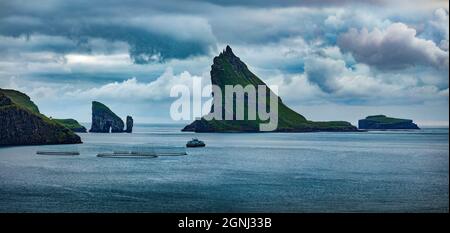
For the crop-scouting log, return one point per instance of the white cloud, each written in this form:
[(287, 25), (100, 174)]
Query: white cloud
[(296, 88), (395, 47), (361, 85), (440, 23), (132, 89), (97, 60)]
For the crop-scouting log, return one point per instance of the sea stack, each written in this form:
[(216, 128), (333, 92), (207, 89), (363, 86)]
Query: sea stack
[(228, 69), (21, 123), (382, 122), (129, 128), (104, 120)]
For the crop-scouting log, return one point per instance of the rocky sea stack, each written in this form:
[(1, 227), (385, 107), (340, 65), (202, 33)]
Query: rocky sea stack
[(382, 122), (129, 122), (104, 120), (21, 123), (228, 69)]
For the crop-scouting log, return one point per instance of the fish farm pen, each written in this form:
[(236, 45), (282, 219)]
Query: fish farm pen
[(149, 151), (113, 150), (68, 153)]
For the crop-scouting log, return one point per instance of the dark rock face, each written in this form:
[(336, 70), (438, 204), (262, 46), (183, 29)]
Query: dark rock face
[(21, 126), (382, 122), (228, 69), (4, 101), (104, 120), (129, 128)]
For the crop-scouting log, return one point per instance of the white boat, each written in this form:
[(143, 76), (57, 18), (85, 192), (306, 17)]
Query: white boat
[(195, 143)]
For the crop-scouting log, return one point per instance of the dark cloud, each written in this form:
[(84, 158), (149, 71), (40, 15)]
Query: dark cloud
[(153, 28), (289, 3), (324, 73), (161, 30), (150, 38)]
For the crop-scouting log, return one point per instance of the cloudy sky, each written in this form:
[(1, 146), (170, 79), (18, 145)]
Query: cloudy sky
[(332, 60)]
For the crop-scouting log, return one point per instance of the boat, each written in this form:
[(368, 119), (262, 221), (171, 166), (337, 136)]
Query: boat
[(195, 143)]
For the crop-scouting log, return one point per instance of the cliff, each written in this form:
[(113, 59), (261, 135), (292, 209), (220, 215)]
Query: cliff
[(21, 123), (20, 99), (104, 120), (228, 69), (71, 124), (383, 122)]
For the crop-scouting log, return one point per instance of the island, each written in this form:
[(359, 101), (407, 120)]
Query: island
[(104, 120), (228, 69), (71, 124), (21, 123), (382, 122)]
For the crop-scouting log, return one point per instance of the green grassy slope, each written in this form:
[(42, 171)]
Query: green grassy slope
[(22, 124), (103, 108), (227, 69), (71, 124), (386, 120), (20, 99)]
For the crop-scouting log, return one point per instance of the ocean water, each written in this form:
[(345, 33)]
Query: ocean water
[(398, 171)]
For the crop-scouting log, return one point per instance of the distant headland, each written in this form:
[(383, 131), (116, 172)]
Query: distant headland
[(21, 123)]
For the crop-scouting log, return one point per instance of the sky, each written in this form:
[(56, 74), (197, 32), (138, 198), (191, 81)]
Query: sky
[(331, 60)]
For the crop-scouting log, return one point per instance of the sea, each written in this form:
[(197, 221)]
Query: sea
[(376, 171)]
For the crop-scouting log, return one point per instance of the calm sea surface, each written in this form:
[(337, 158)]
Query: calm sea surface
[(402, 171)]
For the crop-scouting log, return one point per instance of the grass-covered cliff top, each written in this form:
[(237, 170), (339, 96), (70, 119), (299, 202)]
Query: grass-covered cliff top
[(385, 119), (97, 106), (69, 123), (23, 101), (25, 126), (20, 99)]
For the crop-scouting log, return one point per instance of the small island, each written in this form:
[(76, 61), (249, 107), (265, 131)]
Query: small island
[(228, 69), (382, 122)]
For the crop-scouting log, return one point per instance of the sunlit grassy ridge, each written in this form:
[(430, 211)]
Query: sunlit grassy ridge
[(71, 124), (385, 119), (20, 99)]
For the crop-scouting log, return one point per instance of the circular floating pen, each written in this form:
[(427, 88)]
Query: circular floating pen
[(66, 153), (126, 155)]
